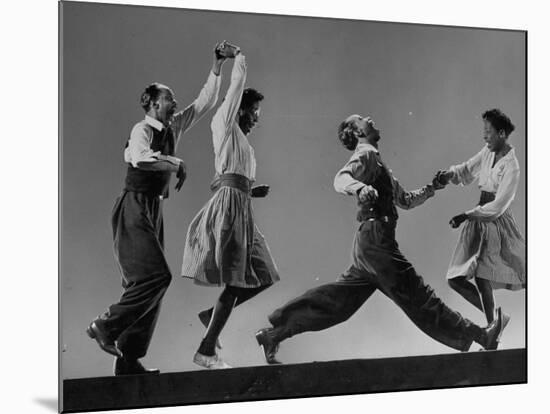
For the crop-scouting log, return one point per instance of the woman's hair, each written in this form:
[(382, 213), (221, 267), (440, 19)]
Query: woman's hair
[(149, 95), (250, 96), (499, 121), (346, 135)]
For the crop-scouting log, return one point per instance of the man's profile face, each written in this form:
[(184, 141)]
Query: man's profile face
[(365, 127), (166, 105)]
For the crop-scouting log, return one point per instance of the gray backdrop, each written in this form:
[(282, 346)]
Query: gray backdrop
[(426, 88)]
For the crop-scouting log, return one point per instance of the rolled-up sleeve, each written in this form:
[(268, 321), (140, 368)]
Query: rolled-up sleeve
[(139, 146)]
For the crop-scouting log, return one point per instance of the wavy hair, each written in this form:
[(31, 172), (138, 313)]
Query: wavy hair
[(347, 136)]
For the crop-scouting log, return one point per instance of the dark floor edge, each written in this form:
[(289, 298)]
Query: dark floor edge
[(330, 378)]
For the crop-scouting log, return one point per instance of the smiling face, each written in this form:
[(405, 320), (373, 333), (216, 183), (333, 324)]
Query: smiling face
[(495, 139), (365, 128), (249, 117)]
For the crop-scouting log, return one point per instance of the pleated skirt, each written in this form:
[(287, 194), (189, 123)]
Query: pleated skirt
[(491, 250), (223, 245)]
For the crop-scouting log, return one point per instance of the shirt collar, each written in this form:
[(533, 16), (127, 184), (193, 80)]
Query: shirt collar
[(154, 123), (365, 147)]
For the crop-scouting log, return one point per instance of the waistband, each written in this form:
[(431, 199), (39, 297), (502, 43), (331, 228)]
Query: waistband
[(383, 219), (146, 193), (486, 197), (231, 180)]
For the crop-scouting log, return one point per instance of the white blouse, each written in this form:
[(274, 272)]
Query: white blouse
[(233, 153), (502, 180)]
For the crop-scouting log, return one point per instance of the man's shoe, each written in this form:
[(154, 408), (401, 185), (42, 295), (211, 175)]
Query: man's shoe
[(210, 362), (268, 345), (204, 317), (105, 343), (493, 332), (131, 367)]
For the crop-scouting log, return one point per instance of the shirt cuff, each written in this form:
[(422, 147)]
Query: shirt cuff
[(473, 212), (355, 188)]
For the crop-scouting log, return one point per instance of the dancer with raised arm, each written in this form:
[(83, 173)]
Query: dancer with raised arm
[(224, 246), (126, 328), (490, 251), (377, 263)]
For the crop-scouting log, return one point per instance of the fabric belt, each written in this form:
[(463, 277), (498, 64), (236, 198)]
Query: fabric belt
[(486, 197), (237, 181)]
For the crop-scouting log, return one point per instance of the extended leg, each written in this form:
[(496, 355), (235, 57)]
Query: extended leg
[(319, 308), (407, 289)]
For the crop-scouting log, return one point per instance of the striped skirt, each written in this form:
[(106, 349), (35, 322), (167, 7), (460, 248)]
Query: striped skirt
[(223, 245), (491, 250)]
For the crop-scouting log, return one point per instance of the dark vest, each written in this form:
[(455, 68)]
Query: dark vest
[(384, 205), (154, 183)]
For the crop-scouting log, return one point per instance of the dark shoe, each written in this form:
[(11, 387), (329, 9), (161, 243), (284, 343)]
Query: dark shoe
[(131, 367), (105, 343), (268, 345), (205, 317), (493, 332)]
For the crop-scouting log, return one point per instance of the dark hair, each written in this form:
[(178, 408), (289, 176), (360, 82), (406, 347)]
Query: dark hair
[(346, 135), (149, 95), (499, 121), (250, 96)]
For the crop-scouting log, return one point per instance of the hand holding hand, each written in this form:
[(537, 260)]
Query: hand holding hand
[(367, 194), (439, 181), (443, 176), (456, 221), (259, 191), (181, 175), (225, 50)]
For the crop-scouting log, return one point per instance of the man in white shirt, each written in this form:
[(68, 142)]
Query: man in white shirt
[(126, 328)]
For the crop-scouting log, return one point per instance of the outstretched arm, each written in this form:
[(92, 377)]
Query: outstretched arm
[(410, 199), (464, 173), (208, 96), (224, 119)]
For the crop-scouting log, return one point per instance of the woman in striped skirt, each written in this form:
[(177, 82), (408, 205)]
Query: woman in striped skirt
[(223, 246), (490, 249)]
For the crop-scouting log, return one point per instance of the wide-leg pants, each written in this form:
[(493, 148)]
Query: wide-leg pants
[(139, 250), (377, 264)]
